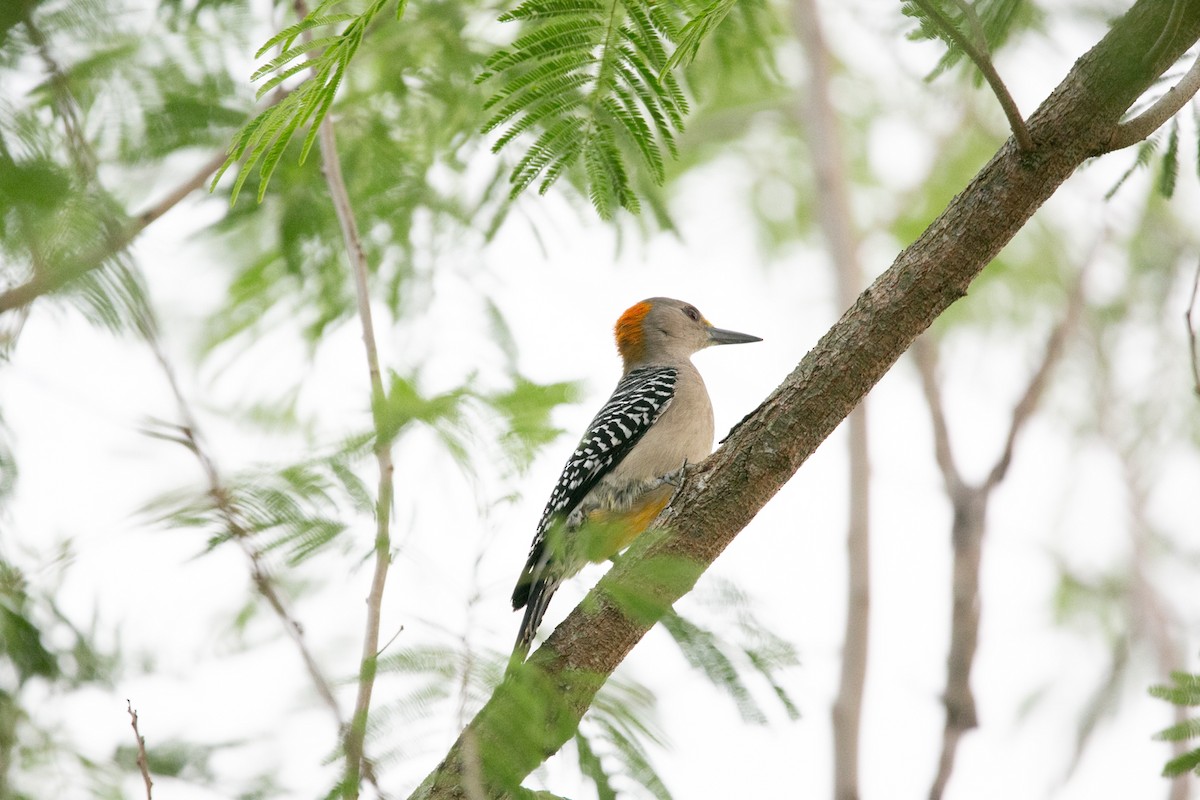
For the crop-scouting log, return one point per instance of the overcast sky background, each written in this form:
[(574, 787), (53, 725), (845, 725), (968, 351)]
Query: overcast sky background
[(77, 399)]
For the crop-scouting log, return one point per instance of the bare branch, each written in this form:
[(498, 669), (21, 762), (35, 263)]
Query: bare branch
[(924, 352), (836, 218), (1037, 384), (1191, 333), (190, 437), (142, 762), (1140, 127), (978, 53)]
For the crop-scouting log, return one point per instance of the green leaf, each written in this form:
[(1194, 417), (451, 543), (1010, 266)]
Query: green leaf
[(21, 643), (1188, 729), (1183, 764)]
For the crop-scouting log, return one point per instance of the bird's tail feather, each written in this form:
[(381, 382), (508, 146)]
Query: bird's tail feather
[(535, 608)]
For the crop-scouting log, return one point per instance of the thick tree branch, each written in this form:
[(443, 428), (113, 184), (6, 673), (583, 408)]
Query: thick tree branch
[(537, 709), (976, 49), (836, 218)]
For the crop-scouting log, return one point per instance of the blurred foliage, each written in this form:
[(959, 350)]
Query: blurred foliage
[(727, 658), (987, 24), (44, 654)]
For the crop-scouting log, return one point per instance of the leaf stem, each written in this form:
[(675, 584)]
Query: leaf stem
[(977, 51)]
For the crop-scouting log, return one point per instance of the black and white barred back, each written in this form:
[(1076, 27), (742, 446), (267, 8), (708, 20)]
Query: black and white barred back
[(638, 401)]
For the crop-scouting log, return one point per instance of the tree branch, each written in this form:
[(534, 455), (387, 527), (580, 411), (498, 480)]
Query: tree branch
[(925, 356), (331, 168), (977, 51), (969, 504), (537, 708), (836, 219), (190, 437), (142, 763), (1037, 384), (1161, 110)]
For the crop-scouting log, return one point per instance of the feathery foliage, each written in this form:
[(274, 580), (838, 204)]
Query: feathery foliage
[(1185, 693), (591, 79), (263, 140), (989, 24)]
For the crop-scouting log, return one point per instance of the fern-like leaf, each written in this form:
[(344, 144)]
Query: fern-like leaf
[(1185, 693), (589, 81), (264, 139)]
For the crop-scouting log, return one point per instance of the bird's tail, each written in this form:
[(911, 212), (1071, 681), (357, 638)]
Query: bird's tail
[(535, 608)]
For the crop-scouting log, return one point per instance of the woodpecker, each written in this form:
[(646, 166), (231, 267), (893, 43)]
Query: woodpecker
[(621, 475)]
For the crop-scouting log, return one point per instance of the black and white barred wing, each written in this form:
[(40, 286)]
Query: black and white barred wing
[(638, 401)]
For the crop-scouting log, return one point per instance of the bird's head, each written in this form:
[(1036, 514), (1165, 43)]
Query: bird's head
[(664, 331)]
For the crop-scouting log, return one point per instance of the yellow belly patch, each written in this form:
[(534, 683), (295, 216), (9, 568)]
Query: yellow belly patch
[(610, 532)]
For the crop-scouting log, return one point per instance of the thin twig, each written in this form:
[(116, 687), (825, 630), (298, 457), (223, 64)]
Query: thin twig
[(190, 437), (1137, 129), (978, 53), (331, 168), (46, 281), (1191, 333), (924, 351), (1025, 407), (142, 762)]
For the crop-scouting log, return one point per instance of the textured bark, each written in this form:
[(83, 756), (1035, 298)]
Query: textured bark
[(535, 711)]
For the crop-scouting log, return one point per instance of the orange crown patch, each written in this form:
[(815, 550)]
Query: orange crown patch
[(630, 341)]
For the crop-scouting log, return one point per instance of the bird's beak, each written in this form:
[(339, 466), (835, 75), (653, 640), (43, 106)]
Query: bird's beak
[(722, 336)]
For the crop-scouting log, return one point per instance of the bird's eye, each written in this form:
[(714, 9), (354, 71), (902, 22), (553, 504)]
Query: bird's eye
[(692, 313)]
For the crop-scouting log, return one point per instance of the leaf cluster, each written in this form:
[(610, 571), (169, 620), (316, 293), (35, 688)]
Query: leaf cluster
[(594, 78), (265, 138), (1183, 693)]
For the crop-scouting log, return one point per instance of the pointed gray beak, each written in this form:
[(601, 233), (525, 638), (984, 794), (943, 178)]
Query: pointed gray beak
[(722, 336)]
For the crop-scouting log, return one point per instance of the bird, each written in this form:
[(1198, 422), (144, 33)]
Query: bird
[(625, 469)]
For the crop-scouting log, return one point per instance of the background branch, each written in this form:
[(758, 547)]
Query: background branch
[(969, 504), (535, 711), (331, 168), (142, 762), (52, 278), (191, 438), (834, 213)]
